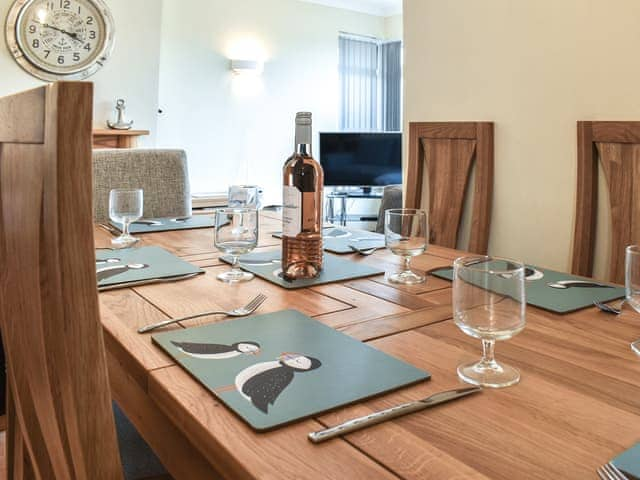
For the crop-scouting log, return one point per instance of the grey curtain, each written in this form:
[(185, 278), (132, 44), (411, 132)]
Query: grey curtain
[(391, 83), (358, 66), (370, 84)]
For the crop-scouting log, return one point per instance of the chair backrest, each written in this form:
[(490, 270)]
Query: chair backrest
[(60, 416), (616, 145), (162, 174), (391, 199), (450, 150)]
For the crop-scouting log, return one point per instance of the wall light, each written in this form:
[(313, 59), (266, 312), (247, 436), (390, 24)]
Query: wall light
[(247, 67)]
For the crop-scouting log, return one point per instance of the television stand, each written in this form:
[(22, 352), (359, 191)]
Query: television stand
[(338, 198)]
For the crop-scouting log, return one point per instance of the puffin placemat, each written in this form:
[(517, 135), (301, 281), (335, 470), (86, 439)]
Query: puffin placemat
[(340, 240), (558, 292), (267, 265), (277, 368), (150, 225), (131, 265)]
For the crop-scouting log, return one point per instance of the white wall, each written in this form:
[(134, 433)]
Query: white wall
[(534, 68), (131, 73), (237, 130)]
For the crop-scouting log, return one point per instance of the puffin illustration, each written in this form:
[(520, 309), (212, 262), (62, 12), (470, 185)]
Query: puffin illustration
[(214, 351), (262, 383), (108, 272)]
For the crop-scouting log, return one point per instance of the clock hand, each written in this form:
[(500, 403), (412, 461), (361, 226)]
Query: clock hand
[(71, 34)]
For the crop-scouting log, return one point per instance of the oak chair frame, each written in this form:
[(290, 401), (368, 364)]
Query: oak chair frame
[(60, 419), (455, 147), (616, 145)]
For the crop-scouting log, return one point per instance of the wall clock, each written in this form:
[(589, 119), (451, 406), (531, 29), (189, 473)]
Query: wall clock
[(60, 39)]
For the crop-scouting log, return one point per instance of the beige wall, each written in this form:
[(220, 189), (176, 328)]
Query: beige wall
[(131, 73), (534, 68), (237, 129)]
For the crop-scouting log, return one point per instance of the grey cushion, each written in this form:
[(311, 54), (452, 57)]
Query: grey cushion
[(162, 174), (391, 198), (138, 460)]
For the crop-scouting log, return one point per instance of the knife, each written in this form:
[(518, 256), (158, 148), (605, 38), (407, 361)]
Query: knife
[(390, 413), (138, 283)]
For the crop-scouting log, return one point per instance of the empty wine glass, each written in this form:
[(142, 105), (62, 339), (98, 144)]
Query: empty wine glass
[(236, 233), (125, 207), (406, 234), (632, 276), (489, 303), (244, 196)]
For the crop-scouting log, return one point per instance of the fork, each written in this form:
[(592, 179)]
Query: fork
[(248, 309), (610, 308), (363, 251), (610, 472)]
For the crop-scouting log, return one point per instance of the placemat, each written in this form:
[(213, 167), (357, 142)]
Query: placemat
[(267, 265), (629, 462), (540, 294), (137, 266), (339, 240), (248, 364), (149, 225)]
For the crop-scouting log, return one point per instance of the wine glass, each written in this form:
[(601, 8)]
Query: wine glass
[(489, 303), (406, 234), (244, 196), (632, 276), (236, 233), (125, 207)]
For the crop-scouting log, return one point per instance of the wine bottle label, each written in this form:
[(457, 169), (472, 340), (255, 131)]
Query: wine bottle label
[(292, 211)]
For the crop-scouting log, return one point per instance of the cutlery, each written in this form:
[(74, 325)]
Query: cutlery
[(148, 222), (390, 413), (248, 309), (610, 472), (635, 346), (138, 283), (363, 251), (109, 228), (610, 308), (564, 284)]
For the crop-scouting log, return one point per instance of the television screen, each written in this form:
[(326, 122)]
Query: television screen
[(361, 159)]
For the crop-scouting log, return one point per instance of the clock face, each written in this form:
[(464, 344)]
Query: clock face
[(61, 39)]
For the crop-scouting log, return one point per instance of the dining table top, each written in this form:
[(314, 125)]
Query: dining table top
[(577, 404)]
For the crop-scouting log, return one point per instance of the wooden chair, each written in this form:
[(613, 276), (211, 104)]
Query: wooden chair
[(616, 145), (450, 150), (60, 421)]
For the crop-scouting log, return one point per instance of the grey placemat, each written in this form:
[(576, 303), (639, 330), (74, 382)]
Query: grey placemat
[(149, 225), (339, 240), (539, 294), (242, 363), (266, 265), (132, 265)]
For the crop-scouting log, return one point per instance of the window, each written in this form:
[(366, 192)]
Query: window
[(370, 84)]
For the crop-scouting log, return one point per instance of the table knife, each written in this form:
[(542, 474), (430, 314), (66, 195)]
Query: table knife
[(139, 283), (390, 413)]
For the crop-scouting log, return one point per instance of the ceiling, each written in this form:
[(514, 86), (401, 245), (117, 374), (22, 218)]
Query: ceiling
[(383, 8)]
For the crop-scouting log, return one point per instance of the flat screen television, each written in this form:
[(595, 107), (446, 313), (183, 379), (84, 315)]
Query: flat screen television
[(369, 159)]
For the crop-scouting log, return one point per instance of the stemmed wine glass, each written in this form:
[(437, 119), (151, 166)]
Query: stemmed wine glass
[(236, 233), (632, 283), (489, 303), (244, 196), (406, 234), (125, 207)]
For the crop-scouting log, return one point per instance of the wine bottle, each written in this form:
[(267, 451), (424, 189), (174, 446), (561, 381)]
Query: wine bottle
[(303, 180)]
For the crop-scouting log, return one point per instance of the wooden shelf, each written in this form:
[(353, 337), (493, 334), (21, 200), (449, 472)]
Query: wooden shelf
[(108, 138)]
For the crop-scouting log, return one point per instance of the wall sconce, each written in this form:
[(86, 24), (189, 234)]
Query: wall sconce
[(246, 67)]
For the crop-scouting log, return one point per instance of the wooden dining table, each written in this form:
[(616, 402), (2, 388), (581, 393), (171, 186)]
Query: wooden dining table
[(576, 407)]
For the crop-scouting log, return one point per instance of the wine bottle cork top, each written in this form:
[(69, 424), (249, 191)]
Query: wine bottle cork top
[(303, 118)]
